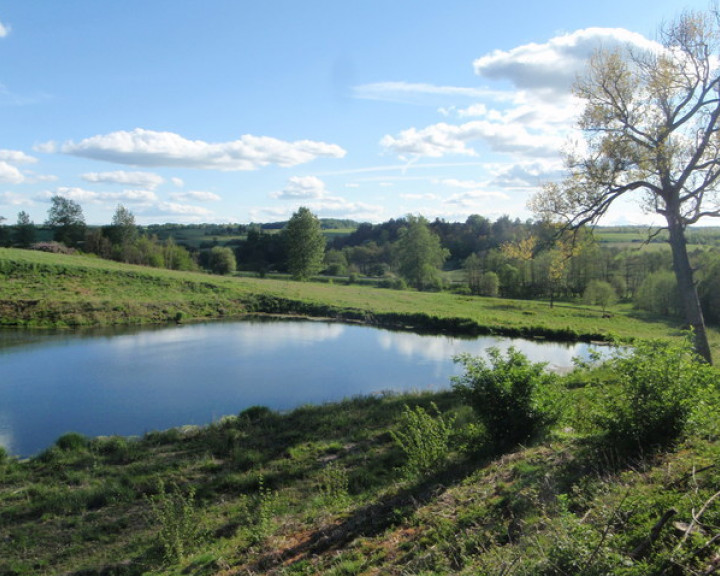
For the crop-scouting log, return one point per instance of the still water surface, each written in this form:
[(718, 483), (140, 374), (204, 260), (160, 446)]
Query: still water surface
[(134, 381)]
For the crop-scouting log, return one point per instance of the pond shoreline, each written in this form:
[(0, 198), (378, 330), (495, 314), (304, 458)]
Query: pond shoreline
[(50, 314)]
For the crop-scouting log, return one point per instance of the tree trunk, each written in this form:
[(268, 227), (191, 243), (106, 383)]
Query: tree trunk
[(686, 285)]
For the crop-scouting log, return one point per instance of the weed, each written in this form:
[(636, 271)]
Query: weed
[(333, 483), (424, 439), (174, 512)]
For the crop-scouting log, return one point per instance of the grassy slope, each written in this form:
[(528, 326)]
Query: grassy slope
[(318, 492), (39, 289)]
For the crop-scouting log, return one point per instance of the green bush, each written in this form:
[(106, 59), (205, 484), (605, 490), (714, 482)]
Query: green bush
[(424, 439), (72, 441), (514, 398), (656, 388)]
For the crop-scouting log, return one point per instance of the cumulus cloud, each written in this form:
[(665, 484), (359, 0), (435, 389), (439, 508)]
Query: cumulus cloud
[(16, 157), (177, 209), (141, 147), (145, 180), (442, 139), (302, 187), (4, 30), (196, 196), (177, 182), (553, 66), (82, 195), (10, 174), (534, 118)]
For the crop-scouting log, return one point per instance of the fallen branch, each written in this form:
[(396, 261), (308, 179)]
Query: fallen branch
[(640, 550)]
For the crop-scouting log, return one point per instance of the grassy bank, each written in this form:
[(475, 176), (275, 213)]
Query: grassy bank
[(50, 290)]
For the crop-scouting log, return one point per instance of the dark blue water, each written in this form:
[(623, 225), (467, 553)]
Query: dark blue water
[(132, 382)]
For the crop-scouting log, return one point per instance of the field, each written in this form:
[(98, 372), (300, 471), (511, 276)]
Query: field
[(48, 290)]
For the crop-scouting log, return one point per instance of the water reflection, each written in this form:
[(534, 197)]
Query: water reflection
[(133, 381)]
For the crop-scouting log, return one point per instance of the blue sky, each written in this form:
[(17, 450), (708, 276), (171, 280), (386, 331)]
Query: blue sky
[(239, 111)]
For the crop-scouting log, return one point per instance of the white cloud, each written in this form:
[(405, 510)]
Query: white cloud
[(10, 174), (413, 91), (554, 65), (479, 109), (475, 198), (302, 187), (16, 157), (141, 147), (314, 195), (74, 193), (82, 195), (130, 196), (442, 139), (14, 199), (177, 182), (146, 180), (177, 209), (4, 30), (195, 195)]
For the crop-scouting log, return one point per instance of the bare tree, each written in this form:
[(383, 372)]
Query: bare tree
[(650, 125)]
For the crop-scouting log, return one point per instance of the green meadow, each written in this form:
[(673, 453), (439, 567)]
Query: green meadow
[(51, 290)]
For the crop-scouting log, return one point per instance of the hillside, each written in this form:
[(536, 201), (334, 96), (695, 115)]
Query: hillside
[(52, 290)]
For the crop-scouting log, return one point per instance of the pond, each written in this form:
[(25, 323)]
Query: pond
[(133, 381)]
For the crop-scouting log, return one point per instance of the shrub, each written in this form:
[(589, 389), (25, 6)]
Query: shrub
[(72, 441), (657, 385), (333, 483), (514, 398), (175, 513), (424, 439)]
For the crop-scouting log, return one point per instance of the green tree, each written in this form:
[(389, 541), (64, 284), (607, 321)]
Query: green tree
[(473, 272), (659, 294), (123, 226), (222, 260), (305, 244), (489, 284), (600, 293), (650, 125), (24, 230), (420, 254), (66, 217)]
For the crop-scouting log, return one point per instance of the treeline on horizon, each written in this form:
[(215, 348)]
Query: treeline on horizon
[(509, 258)]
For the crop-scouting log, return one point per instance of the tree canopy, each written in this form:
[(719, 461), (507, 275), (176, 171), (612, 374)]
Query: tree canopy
[(305, 244), (66, 216), (420, 253), (650, 125)]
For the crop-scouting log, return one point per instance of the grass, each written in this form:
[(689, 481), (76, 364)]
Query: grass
[(49, 290)]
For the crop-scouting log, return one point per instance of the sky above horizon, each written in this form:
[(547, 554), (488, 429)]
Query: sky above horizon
[(229, 111)]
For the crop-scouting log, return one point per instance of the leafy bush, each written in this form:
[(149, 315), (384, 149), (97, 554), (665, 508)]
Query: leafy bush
[(657, 386), (424, 439), (514, 398), (72, 441)]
